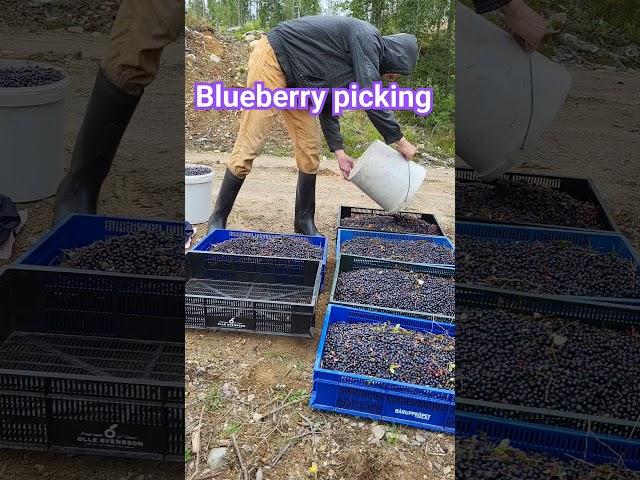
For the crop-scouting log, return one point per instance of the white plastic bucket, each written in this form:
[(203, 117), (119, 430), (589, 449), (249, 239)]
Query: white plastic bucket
[(387, 177), (32, 137), (198, 196), (505, 97)]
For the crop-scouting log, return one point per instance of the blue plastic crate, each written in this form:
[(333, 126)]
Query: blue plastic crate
[(381, 399), (344, 235), (220, 235), (602, 242), (104, 303), (557, 442), (345, 263)]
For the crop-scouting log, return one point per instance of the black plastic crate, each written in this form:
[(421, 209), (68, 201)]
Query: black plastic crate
[(268, 295), (583, 189), (346, 263), (85, 393), (345, 211), (623, 433)]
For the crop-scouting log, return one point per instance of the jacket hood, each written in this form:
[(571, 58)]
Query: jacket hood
[(400, 54)]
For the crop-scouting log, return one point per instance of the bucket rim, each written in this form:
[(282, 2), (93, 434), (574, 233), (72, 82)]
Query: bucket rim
[(31, 96)]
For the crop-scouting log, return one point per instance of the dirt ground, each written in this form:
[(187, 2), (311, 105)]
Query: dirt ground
[(259, 372)]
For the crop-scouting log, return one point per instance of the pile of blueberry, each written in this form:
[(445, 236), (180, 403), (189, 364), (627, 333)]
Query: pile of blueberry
[(389, 351), (414, 251), (28, 76), (398, 289), (508, 201), (399, 223), (273, 247), (547, 362), (143, 252), (195, 170), (477, 458), (550, 267)]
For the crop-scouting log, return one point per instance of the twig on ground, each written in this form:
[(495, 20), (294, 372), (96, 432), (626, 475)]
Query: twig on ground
[(276, 410), (245, 473), (200, 449)]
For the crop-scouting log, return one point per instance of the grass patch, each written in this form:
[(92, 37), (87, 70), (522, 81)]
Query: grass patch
[(231, 429), (188, 455), (214, 400), (359, 132)]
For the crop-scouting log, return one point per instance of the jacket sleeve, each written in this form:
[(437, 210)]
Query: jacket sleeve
[(331, 129), (366, 65), (485, 6)]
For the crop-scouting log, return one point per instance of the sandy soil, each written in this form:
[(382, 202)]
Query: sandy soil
[(265, 369)]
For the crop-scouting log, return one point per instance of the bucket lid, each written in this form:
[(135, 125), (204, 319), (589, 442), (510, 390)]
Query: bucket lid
[(31, 96)]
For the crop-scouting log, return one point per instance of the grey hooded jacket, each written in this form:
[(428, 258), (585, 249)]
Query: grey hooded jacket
[(329, 52)]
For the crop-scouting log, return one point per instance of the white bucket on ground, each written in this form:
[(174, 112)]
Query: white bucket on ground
[(32, 137), (505, 97), (387, 177), (198, 196)]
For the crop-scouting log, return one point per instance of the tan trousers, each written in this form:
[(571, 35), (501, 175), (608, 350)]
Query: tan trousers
[(141, 30), (255, 125)]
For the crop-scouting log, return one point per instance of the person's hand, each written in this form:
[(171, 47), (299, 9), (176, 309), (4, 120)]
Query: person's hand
[(345, 162), (406, 148), (528, 27)]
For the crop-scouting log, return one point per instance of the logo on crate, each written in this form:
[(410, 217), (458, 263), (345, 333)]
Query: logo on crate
[(231, 323), (109, 438), (409, 413)]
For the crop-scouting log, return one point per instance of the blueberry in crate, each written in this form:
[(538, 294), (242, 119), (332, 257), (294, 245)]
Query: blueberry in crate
[(554, 362), (389, 351), (371, 396), (269, 295), (424, 291), (584, 265), (84, 385), (533, 200), (242, 242), (424, 249), (357, 218), (490, 457)]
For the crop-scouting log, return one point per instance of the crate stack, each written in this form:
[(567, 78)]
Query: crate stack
[(254, 291), (91, 361), (566, 431), (384, 397)]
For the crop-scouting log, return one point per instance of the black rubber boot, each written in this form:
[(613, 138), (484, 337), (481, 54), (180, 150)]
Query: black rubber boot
[(105, 121), (306, 205), (226, 197)]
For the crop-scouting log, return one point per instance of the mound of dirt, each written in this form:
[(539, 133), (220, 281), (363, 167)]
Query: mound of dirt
[(211, 56)]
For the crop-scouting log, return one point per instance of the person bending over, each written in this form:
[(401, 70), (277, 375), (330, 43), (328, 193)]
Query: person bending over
[(314, 52)]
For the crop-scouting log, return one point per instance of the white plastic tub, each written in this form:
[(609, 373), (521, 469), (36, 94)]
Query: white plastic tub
[(387, 177), (198, 196), (32, 137), (505, 97)]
